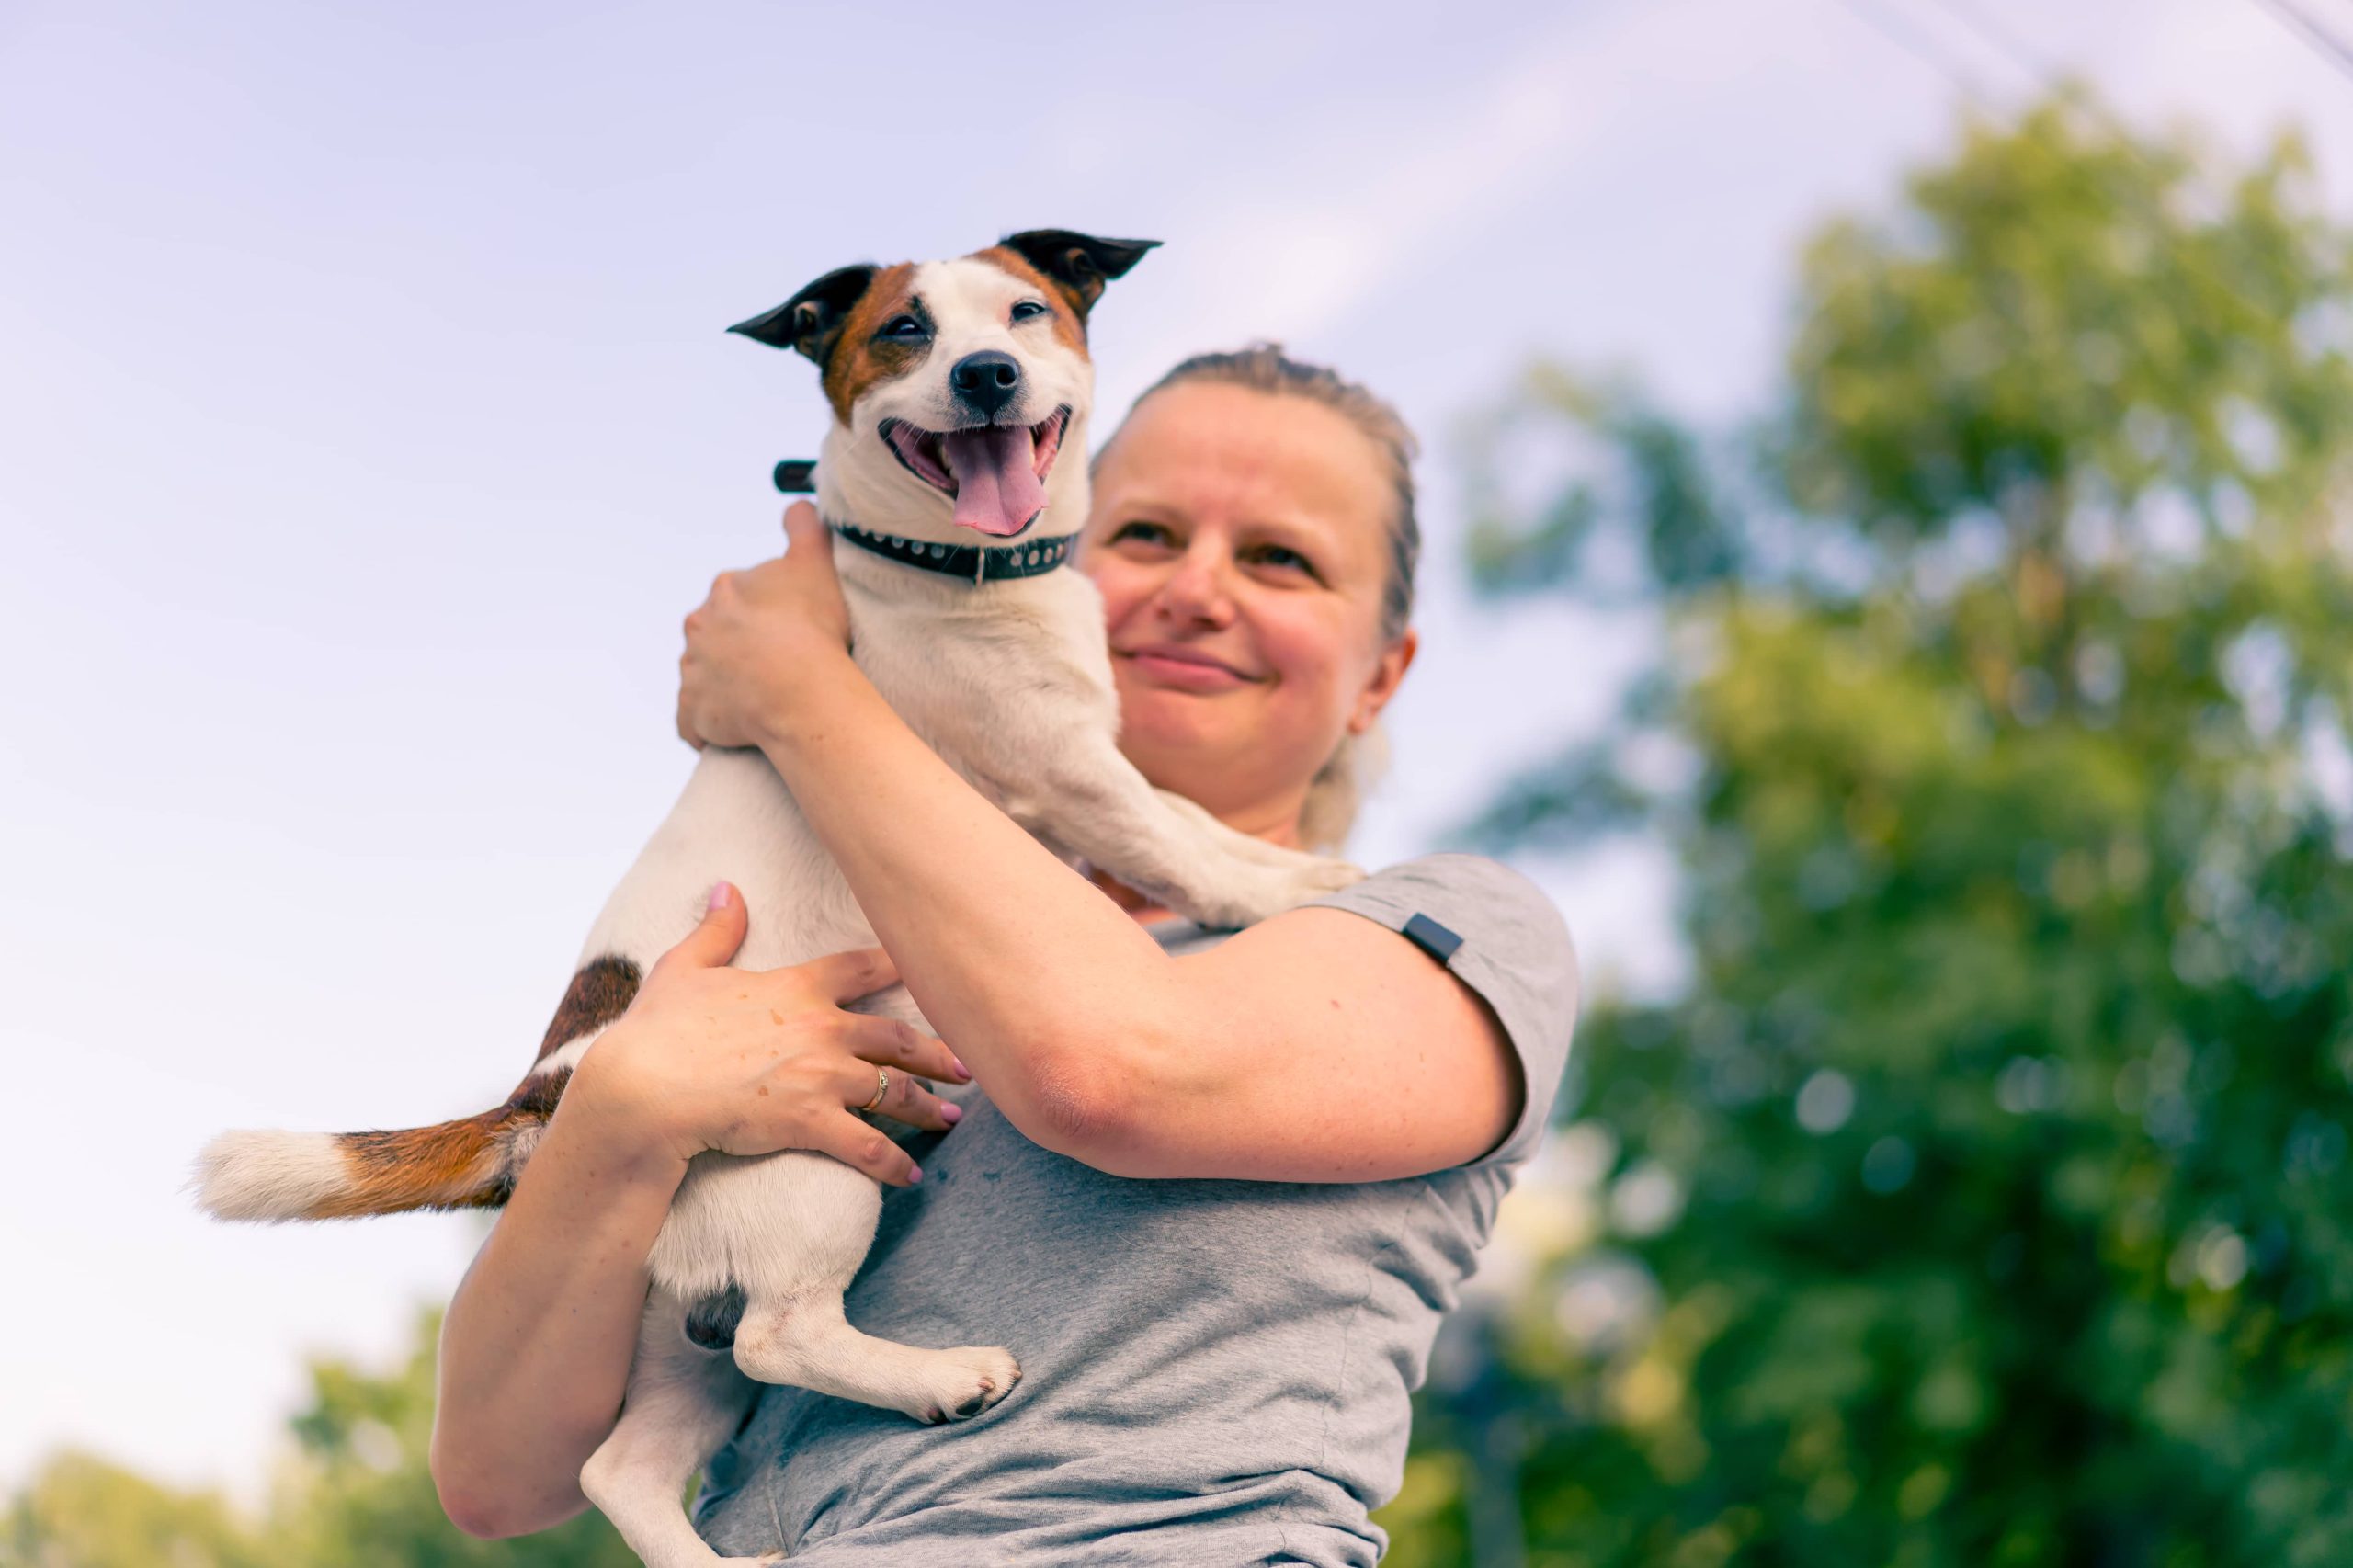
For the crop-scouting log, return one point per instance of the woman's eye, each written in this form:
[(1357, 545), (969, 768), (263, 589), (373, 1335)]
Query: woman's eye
[(1150, 533), (903, 326), (1024, 309), (1283, 556)]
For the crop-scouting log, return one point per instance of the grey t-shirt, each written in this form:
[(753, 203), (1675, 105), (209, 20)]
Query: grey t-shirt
[(1213, 1372)]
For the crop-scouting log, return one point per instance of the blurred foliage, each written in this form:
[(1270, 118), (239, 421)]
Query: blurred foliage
[(1984, 1198), (354, 1493)]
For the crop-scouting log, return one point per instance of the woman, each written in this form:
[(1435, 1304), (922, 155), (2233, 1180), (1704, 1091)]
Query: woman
[(1217, 1360)]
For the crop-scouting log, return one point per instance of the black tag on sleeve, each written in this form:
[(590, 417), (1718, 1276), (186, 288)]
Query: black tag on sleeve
[(1431, 938)]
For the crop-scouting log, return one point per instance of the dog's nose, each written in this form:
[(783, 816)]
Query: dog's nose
[(986, 381)]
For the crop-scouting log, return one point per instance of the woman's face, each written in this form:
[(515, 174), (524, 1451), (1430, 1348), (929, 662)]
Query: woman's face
[(1240, 541)]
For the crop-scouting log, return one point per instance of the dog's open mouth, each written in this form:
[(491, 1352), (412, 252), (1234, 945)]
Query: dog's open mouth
[(997, 472)]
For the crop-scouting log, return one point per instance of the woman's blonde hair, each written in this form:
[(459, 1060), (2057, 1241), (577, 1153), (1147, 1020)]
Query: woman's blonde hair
[(1338, 788)]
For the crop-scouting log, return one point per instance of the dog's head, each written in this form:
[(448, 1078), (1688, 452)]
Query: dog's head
[(955, 385)]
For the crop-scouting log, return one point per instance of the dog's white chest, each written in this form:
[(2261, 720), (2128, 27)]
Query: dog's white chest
[(989, 677)]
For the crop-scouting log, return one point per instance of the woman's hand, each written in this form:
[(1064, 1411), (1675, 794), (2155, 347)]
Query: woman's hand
[(762, 633), (750, 1061)]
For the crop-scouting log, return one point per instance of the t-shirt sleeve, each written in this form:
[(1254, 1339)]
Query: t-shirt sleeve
[(1496, 932)]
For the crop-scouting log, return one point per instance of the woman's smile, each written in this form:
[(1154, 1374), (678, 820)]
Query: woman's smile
[(1186, 667)]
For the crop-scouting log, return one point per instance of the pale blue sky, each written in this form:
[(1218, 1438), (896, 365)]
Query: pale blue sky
[(367, 427)]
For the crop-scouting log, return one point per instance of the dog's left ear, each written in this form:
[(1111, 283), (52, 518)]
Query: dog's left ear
[(812, 321), (1080, 263)]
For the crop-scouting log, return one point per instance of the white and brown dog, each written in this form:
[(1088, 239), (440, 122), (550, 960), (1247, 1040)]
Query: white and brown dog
[(955, 387)]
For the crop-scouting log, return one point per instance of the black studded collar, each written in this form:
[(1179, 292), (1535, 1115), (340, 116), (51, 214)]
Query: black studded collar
[(973, 563)]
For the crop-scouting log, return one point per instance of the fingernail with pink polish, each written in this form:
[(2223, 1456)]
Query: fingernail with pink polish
[(962, 1071), (914, 1173), (718, 892), (950, 1114)]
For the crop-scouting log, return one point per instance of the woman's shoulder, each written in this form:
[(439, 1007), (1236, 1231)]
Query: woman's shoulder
[(1468, 895), (1503, 937)]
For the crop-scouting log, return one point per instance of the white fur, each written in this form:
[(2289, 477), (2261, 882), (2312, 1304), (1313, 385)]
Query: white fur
[(269, 1176), (1011, 684)]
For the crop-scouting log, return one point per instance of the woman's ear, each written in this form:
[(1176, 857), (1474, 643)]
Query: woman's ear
[(1394, 660)]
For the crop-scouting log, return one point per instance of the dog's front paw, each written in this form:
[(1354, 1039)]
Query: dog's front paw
[(1331, 876), (1320, 875), (1271, 890)]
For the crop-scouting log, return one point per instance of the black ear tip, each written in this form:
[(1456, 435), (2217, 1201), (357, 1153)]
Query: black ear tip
[(760, 328), (1041, 239)]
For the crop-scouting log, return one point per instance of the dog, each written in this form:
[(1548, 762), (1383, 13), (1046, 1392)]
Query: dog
[(955, 388)]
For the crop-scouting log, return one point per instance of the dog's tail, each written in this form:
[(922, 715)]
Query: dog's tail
[(467, 1163)]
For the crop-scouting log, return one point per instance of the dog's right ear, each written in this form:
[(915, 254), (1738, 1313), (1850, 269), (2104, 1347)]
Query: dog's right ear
[(812, 321)]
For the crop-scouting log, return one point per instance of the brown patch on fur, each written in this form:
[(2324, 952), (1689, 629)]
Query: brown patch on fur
[(857, 360), (600, 993), (535, 1097), (712, 1322), (471, 1163), (1069, 309)]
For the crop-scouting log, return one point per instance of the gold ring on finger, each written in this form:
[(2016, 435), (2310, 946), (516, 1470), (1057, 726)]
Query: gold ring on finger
[(882, 1087)]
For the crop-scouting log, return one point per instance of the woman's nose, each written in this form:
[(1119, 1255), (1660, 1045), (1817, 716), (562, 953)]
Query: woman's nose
[(1196, 590)]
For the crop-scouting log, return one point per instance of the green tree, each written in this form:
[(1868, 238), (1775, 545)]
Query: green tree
[(82, 1512), (355, 1493), (1984, 1198), (361, 1495)]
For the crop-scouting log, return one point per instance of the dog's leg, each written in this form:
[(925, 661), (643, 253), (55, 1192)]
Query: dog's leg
[(1230, 840), (789, 1231), (805, 1341), (1087, 800), (683, 1403)]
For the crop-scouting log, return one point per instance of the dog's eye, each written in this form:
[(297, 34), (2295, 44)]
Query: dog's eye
[(904, 328), (1024, 309)]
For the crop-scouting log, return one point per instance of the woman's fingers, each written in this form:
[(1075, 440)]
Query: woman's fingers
[(862, 1146), (714, 941), (845, 977), (802, 526), (887, 1042), (685, 719), (905, 1100)]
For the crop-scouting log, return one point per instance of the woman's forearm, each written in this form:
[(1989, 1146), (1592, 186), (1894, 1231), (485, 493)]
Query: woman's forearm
[(1022, 966), (536, 1348)]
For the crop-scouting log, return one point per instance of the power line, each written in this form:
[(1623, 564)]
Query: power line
[(2308, 29), (2048, 78), (2004, 42), (2052, 80), (1893, 25)]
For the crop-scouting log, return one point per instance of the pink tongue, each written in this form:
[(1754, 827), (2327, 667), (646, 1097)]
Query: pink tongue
[(996, 489)]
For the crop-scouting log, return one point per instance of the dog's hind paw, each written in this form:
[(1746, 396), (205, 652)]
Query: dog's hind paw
[(975, 1378)]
